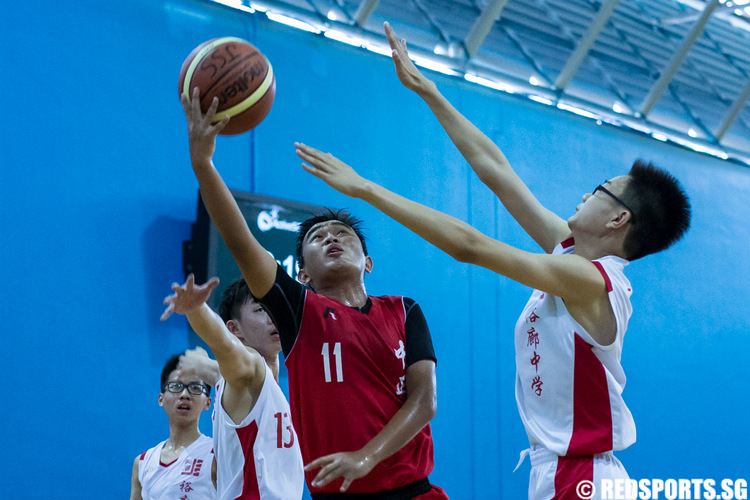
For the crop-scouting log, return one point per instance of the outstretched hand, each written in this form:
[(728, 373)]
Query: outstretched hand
[(201, 131), (330, 169), (350, 466), (188, 297), (407, 72)]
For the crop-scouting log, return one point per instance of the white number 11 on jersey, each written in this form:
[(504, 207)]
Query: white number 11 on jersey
[(327, 362)]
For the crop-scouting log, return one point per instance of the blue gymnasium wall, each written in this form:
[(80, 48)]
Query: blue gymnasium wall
[(98, 194)]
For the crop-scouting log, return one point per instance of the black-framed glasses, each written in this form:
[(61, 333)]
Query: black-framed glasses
[(194, 388), (618, 200)]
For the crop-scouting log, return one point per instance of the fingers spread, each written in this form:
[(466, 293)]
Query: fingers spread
[(195, 105), (326, 474), (318, 462), (345, 484), (167, 312)]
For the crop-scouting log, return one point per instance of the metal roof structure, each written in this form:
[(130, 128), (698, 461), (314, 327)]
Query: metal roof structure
[(677, 70)]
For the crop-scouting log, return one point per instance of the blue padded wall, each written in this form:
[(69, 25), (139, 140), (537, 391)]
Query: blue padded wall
[(98, 194)]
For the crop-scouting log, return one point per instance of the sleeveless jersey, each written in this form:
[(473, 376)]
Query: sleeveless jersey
[(260, 458), (186, 478), (568, 387), (347, 371)]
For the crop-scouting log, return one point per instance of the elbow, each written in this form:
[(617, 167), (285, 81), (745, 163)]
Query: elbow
[(465, 245), (431, 409), (428, 407)]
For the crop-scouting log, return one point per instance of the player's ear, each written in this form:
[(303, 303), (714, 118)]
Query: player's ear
[(368, 264), (620, 219), (161, 399), (303, 277), (208, 403)]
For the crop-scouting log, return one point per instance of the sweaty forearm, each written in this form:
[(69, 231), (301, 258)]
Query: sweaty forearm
[(403, 426)]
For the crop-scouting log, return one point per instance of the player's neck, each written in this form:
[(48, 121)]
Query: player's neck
[(273, 364), (181, 436), (593, 248), (352, 295)]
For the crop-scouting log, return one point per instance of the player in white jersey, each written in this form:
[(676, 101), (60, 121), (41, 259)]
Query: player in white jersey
[(581, 298), (181, 467), (257, 450)]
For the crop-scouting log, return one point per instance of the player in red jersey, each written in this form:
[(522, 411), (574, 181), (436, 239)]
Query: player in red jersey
[(361, 368)]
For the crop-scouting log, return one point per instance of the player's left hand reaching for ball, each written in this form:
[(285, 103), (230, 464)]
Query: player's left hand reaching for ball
[(349, 465), (331, 170)]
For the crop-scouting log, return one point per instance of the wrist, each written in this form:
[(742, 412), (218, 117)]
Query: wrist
[(365, 190), (425, 88)]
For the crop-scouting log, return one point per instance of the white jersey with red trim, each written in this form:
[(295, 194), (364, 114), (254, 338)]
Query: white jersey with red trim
[(568, 387), (187, 477), (259, 458)]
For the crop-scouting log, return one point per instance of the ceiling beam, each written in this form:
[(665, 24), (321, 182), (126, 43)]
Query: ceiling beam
[(364, 11), (483, 25), (733, 112), (585, 44), (666, 76)]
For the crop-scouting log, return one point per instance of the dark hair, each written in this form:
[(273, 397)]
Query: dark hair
[(329, 215), (662, 206), (234, 297), (169, 367)]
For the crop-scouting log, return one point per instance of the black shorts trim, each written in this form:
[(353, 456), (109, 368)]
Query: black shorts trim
[(406, 492)]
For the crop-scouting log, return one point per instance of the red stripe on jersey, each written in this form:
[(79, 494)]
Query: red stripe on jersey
[(167, 465), (143, 455), (570, 472), (600, 267), (592, 415), (568, 243), (247, 436)]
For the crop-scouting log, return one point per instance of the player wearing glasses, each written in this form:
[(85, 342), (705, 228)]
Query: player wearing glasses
[(183, 466), (569, 337), (257, 449)]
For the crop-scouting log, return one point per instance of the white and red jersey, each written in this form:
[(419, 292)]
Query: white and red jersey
[(187, 477), (259, 458), (568, 387)]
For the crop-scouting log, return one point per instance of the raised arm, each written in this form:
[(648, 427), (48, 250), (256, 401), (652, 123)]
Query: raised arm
[(416, 412), (257, 265), (571, 277), (242, 368), (489, 163)]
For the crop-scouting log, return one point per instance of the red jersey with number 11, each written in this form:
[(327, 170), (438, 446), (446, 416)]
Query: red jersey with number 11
[(347, 369)]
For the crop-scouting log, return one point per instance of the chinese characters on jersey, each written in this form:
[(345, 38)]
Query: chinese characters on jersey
[(533, 343)]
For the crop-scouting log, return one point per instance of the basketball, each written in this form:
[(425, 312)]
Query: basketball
[(238, 74)]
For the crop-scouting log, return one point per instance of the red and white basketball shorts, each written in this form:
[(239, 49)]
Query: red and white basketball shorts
[(561, 478)]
